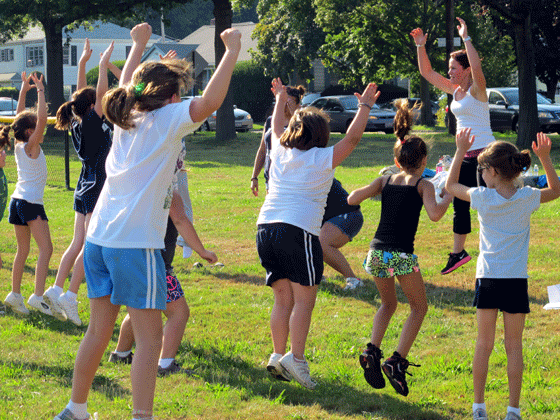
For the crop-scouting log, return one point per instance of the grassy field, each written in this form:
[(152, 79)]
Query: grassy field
[(227, 341)]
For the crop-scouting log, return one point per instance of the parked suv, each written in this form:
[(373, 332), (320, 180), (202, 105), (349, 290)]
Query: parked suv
[(504, 110)]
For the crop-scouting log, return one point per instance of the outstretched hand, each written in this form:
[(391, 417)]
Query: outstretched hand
[(462, 28), (543, 145), (38, 81), (209, 256), (464, 140), (370, 95), (87, 51), (25, 81), (171, 54), (278, 89), (105, 56), (418, 36)]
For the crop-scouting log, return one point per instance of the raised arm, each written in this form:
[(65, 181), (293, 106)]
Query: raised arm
[(115, 70), (425, 66), (84, 58), (281, 95), (478, 89), (216, 90), (186, 229), (371, 190), (33, 145), (434, 209), (344, 147), (464, 141), (542, 149), (25, 86), (103, 80), (140, 35)]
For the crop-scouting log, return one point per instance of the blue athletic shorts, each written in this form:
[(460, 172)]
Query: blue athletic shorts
[(387, 264), (349, 223), (507, 295), (132, 277), (22, 212), (289, 252)]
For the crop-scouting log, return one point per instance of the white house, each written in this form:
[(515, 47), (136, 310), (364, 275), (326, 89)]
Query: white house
[(29, 53)]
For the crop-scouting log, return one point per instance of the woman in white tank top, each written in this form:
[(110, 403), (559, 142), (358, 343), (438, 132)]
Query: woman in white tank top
[(470, 106)]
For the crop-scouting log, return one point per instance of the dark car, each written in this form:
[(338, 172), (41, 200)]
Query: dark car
[(342, 109), (504, 110)]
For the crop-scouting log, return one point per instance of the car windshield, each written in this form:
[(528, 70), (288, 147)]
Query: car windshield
[(513, 97), (8, 105)]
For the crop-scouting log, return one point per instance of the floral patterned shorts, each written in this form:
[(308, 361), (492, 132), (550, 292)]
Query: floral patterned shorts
[(174, 289), (387, 264)]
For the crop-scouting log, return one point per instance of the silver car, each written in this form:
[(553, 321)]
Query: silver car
[(243, 121), (8, 106), (342, 109)]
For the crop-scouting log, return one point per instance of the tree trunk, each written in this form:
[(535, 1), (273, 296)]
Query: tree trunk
[(426, 116), (528, 118), (551, 88), (225, 121), (54, 79)]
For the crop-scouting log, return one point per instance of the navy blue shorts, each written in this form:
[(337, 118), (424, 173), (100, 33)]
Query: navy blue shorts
[(507, 295), (349, 223), (85, 203), (289, 252), (22, 212)]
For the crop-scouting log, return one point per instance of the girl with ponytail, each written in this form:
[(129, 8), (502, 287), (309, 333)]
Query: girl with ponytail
[(391, 252), (504, 213)]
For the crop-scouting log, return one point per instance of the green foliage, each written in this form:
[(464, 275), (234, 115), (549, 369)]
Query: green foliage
[(251, 89), (9, 92), (93, 75)]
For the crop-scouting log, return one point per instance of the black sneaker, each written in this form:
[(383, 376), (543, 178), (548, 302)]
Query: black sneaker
[(115, 358), (395, 369), (455, 261), (172, 369), (370, 360)]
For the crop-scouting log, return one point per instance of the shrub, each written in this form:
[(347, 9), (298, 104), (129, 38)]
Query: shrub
[(251, 90)]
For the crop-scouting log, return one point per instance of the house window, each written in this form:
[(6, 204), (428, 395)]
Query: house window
[(70, 55), (7, 54), (127, 50), (34, 56)]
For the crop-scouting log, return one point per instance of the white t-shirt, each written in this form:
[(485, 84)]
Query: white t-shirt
[(32, 175), (298, 187), (133, 207), (504, 231)]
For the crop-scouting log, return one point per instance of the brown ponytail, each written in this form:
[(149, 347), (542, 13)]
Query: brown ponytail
[(5, 136), (506, 159), (78, 107)]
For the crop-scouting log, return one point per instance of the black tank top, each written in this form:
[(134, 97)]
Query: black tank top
[(400, 212)]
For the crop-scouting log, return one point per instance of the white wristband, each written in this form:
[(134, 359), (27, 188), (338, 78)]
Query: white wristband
[(467, 39), (420, 45)]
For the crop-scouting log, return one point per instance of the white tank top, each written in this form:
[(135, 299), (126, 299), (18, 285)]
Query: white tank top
[(32, 175), (474, 114)]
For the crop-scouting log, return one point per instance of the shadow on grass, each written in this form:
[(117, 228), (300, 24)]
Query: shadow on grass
[(221, 371), (63, 375)]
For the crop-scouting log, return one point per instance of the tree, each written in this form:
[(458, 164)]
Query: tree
[(53, 16), (518, 15), (546, 38)]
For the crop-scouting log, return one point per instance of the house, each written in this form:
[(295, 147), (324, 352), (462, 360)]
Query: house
[(29, 53)]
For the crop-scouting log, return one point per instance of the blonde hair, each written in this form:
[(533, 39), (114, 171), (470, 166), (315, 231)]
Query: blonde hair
[(76, 108), (308, 128), (505, 158), (153, 83), (408, 150)]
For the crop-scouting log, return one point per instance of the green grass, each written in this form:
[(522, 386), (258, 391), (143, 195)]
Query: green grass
[(227, 341)]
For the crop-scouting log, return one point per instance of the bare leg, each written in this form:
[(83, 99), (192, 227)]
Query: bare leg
[(177, 314), (100, 329), (126, 335), (71, 253), (78, 273), (23, 237), (332, 238), (459, 241), (300, 320), (486, 320), (513, 332), (386, 288), (148, 331), (41, 233), (413, 287), (280, 315)]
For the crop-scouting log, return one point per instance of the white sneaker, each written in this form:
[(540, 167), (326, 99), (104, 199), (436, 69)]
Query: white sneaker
[(298, 370), (70, 307), (480, 414), (352, 283), (16, 302), (38, 303), (275, 369), (66, 414), (51, 297)]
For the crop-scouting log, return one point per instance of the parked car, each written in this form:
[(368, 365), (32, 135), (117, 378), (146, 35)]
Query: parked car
[(8, 106), (415, 111), (243, 121), (342, 109), (504, 110), (308, 98)]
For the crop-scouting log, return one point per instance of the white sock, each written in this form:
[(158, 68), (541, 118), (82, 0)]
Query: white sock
[(514, 410), (123, 353), (70, 295), (78, 410), (59, 290), (299, 361), (476, 406), (165, 363)]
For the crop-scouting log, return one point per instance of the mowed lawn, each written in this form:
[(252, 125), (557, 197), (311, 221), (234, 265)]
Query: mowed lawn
[(227, 340)]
